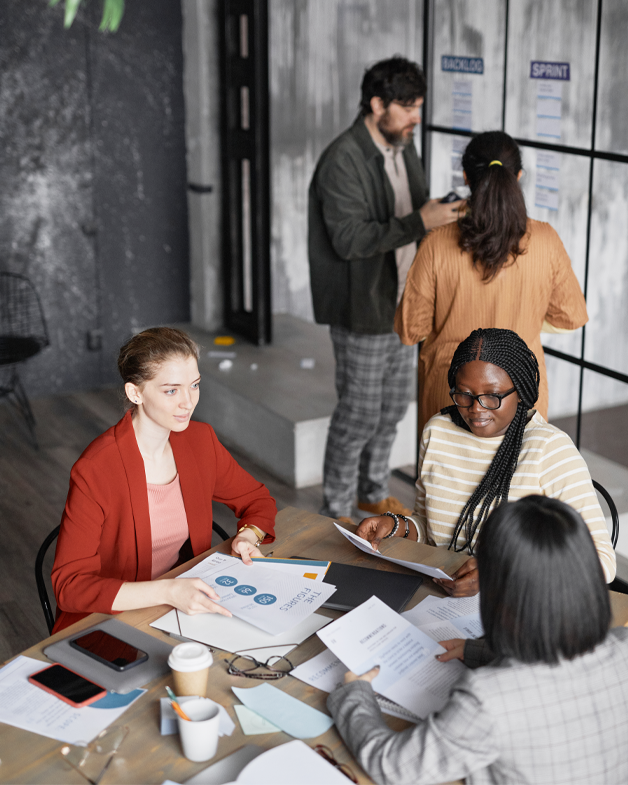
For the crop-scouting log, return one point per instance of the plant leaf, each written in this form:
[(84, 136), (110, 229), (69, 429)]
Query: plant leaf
[(71, 8), (111, 15), (53, 3)]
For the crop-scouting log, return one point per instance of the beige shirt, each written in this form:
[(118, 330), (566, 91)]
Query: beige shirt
[(395, 168), (452, 463)]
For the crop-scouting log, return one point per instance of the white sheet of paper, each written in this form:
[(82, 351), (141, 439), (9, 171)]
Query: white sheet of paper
[(271, 600), (299, 568), (373, 634), (28, 707), (366, 547), (236, 635), (434, 608), (252, 723), (326, 672), (290, 763)]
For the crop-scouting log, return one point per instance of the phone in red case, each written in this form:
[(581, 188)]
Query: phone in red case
[(67, 685)]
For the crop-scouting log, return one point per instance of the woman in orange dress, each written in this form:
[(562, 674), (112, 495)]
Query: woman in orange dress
[(495, 267)]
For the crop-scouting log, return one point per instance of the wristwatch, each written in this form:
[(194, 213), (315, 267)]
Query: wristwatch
[(256, 531)]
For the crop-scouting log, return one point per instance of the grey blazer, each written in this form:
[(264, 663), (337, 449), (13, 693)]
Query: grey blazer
[(505, 723)]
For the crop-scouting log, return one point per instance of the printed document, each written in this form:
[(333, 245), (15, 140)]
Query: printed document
[(443, 618), (366, 547), (301, 568), (26, 706), (271, 600), (410, 675)]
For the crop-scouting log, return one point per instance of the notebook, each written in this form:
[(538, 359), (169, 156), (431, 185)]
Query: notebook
[(354, 585)]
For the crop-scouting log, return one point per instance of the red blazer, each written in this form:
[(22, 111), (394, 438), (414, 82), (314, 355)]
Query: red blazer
[(105, 537)]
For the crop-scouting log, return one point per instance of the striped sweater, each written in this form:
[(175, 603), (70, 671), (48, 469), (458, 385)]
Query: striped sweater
[(453, 461)]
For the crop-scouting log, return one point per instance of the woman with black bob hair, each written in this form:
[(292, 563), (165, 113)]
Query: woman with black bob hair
[(488, 447), (552, 705), (495, 267)]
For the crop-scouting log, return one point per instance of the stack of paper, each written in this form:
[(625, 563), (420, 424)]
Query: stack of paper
[(232, 634)]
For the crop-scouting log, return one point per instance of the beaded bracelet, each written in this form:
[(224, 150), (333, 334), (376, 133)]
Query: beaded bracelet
[(407, 523), (394, 528)]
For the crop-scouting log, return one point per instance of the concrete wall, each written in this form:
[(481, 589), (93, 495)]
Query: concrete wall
[(319, 50), (202, 128), (92, 179)]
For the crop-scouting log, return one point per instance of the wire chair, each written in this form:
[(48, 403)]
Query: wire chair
[(23, 334)]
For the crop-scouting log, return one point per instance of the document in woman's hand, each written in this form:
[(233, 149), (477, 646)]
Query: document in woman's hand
[(271, 600), (410, 674)]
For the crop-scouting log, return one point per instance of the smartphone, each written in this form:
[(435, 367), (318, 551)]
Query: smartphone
[(67, 685), (110, 651), (452, 196)]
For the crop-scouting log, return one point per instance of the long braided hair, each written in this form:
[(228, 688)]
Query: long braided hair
[(509, 352)]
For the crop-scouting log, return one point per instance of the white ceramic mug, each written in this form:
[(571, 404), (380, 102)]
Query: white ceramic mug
[(199, 734)]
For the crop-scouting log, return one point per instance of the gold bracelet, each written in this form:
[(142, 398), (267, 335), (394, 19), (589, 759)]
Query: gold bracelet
[(256, 531)]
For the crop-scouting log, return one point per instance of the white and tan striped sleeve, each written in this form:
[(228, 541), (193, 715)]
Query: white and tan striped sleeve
[(564, 475), (419, 514)]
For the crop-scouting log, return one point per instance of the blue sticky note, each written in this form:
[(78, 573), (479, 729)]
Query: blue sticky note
[(288, 713), (114, 700)]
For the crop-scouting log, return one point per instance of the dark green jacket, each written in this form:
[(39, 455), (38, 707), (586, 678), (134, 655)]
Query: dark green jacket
[(353, 232)]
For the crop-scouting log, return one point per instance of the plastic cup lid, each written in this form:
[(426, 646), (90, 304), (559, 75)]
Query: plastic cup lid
[(188, 657)]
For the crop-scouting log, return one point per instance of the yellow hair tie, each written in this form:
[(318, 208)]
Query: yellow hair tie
[(499, 163)]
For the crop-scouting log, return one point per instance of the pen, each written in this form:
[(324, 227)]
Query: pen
[(175, 705)]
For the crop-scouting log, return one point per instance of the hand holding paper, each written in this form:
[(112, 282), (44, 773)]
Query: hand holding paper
[(366, 547), (373, 634)]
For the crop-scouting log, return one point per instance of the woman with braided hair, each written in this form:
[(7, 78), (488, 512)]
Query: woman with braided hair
[(488, 447), (495, 267)]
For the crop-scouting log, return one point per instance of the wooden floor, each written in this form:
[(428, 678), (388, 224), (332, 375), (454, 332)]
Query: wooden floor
[(34, 484)]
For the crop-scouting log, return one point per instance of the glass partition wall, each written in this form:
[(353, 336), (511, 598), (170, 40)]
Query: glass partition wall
[(555, 77)]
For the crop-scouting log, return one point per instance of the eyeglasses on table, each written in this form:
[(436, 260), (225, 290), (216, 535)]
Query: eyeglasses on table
[(275, 667), (328, 755)]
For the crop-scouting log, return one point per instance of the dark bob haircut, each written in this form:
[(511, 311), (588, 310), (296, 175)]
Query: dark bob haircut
[(542, 589), (396, 79)]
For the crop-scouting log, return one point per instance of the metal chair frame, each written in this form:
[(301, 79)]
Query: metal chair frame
[(613, 510), (21, 317), (39, 571)]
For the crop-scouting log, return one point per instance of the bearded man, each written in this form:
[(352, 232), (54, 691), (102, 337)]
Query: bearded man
[(368, 210)]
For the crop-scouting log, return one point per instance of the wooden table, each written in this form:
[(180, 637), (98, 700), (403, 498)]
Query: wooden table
[(146, 756)]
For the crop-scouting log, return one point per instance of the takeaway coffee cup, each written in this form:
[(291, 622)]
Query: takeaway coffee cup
[(190, 663), (199, 734)]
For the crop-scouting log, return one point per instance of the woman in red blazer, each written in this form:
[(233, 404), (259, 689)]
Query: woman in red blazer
[(107, 551)]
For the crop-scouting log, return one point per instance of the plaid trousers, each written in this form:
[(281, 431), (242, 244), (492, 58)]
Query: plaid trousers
[(374, 382)]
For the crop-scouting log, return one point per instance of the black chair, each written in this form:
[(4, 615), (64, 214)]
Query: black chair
[(23, 334), (39, 571), (613, 510)]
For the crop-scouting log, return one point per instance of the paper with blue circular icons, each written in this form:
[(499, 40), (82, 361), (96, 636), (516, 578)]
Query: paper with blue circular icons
[(247, 591), (273, 600)]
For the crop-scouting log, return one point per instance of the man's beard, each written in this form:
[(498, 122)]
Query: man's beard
[(394, 138)]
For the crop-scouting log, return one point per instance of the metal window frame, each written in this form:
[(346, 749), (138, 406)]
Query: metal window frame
[(253, 144), (591, 153)]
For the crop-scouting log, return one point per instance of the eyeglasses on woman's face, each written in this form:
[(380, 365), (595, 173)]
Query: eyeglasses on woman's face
[(486, 400)]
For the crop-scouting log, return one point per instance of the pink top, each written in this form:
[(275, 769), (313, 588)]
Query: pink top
[(168, 524)]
